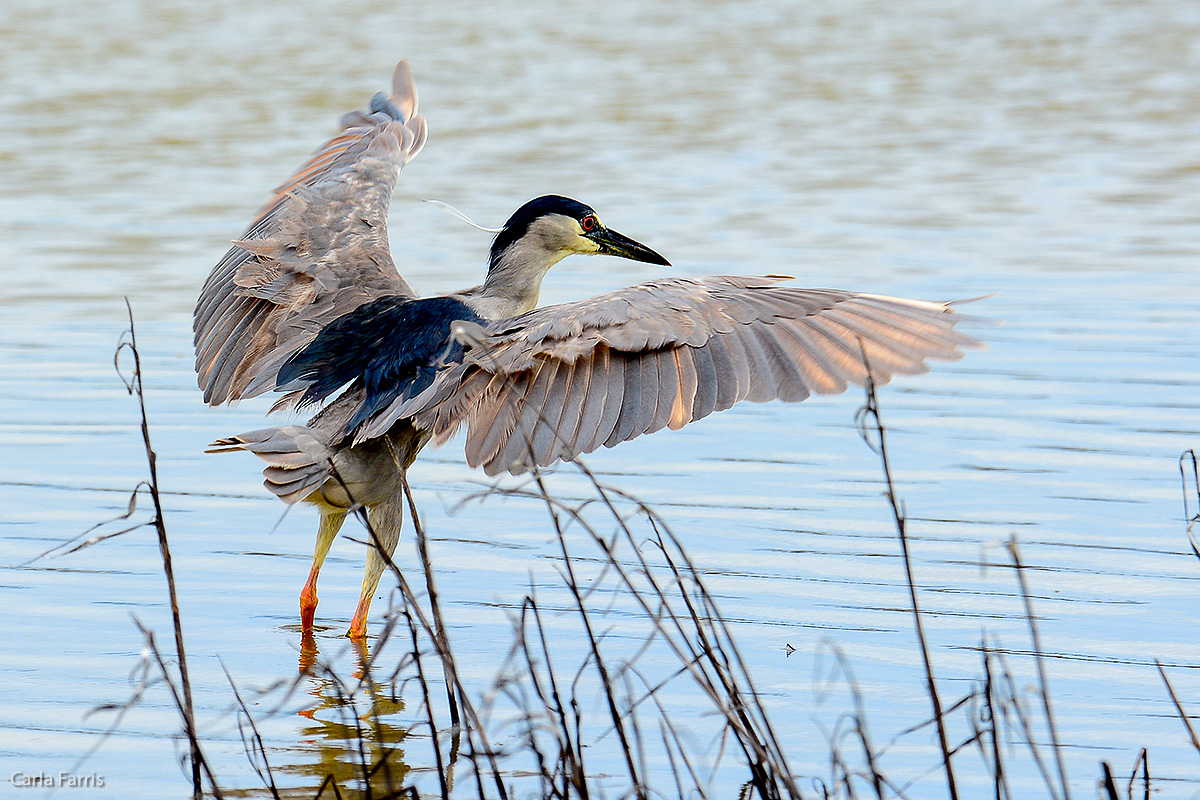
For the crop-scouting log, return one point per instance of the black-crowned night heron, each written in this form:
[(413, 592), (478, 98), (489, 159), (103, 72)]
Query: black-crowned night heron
[(309, 303)]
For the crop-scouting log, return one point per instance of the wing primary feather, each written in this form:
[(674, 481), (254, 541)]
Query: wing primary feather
[(483, 418), (228, 358), (647, 391), (668, 390), (509, 400), (518, 454), (583, 439), (926, 330), (845, 353), (821, 376), (613, 374), (630, 399), (547, 441), (573, 406), (685, 395), (706, 381), (726, 370), (885, 357), (762, 380), (789, 378), (739, 360), (918, 318), (218, 339), (905, 345)]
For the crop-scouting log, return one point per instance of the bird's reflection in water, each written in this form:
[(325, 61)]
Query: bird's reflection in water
[(351, 734)]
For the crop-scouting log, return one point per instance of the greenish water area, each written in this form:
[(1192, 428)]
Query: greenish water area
[(1043, 153)]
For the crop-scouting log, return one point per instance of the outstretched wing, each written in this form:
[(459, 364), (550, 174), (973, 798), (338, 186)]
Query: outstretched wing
[(317, 250), (564, 380)]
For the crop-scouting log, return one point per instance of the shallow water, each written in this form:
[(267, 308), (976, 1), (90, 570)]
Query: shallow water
[(1043, 151)]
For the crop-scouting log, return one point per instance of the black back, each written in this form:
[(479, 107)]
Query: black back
[(392, 346)]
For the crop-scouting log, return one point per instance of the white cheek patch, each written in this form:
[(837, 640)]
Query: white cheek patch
[(586, 245)]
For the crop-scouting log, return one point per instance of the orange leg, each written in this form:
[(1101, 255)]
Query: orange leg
[(374, 570), (308, 599), (331, 523), (386, 519), (358, 623)]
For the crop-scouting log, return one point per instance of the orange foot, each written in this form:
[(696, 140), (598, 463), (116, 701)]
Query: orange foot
[(308, 607), (358, 624)]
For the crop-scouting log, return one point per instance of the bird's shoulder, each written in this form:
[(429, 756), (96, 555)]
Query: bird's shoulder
[(390, 348)]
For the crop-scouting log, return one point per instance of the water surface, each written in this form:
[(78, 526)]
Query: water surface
[(1041, 151)]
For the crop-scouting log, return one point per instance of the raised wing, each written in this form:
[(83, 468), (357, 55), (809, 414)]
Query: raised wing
[(564, 380), (317, 250)]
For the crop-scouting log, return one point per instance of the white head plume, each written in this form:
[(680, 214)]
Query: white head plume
[(454, 212)]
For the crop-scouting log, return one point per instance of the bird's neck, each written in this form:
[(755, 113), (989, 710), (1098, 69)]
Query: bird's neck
[(514, 281)]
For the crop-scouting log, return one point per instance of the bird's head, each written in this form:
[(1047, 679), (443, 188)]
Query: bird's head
[(546, 230)]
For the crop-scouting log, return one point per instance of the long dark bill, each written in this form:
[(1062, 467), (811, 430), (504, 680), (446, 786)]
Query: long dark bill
[(618, 244)]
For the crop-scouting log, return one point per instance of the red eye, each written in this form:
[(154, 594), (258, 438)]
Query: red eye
[(588, 223)]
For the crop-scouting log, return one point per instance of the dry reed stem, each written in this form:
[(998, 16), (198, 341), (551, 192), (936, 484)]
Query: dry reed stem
[(1187, 723), (134, 385), (870, 412), (1040, 662)]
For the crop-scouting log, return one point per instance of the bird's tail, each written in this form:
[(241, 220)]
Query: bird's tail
[(299, 458)]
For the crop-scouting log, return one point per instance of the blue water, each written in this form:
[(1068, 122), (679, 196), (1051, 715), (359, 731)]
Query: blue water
[(1043, 152)]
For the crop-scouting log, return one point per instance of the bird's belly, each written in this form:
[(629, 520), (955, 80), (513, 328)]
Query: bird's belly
[(371, 473)]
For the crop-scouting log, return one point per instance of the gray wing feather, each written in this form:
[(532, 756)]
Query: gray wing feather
[(821, 375), (632, 397), (733, 377), (670, 390), (548, 419), (654, 385), (614, 400), (497, 419), (530, 416), (707, 381), (577, 376), (317, 250), (572, 409), (789, 382), (683, 409), (762, 378)]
